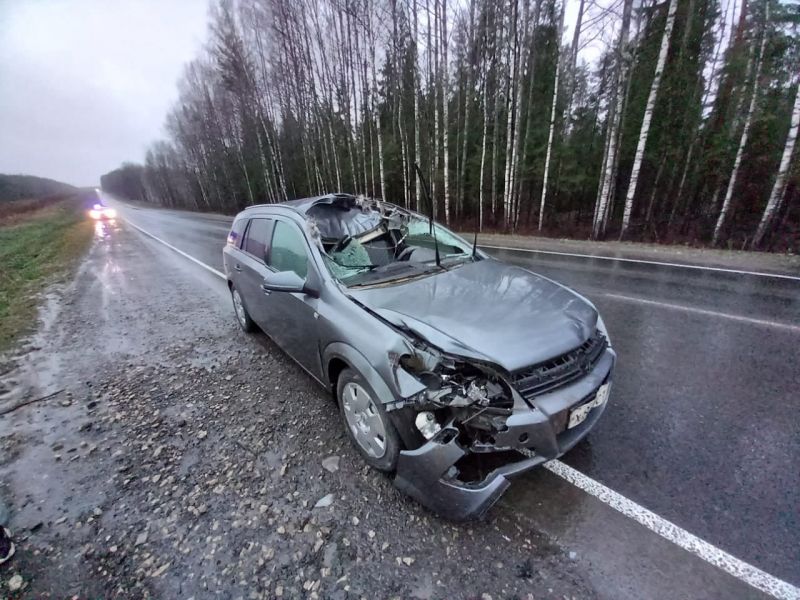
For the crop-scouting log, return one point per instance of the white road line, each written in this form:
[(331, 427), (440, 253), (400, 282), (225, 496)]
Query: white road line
[(181, 252), (703, 311), (739, 569), (711, 554), (647, 262)]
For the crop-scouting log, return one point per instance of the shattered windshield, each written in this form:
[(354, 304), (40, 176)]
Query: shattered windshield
[(377, 242)]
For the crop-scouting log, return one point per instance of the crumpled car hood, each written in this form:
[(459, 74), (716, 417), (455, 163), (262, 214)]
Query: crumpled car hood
[(487, 310)]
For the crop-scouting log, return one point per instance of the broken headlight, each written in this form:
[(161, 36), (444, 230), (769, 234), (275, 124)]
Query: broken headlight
[(601, 327), (455, 383)]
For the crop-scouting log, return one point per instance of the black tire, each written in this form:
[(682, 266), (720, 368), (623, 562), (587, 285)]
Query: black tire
[(243, 319), (388, 461)]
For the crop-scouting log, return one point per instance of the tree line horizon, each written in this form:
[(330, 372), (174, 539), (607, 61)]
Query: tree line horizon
[(670, 121)]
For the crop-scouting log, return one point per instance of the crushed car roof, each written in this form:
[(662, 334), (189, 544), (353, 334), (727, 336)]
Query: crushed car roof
[(303, 205), (336, 215)]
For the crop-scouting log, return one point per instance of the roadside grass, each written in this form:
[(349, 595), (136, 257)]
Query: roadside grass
[(36, 247)]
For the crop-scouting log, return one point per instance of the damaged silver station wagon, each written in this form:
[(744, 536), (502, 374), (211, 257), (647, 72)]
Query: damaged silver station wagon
[(453, 371)]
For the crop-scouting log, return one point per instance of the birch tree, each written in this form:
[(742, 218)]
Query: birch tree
[(293, 98), (648, 116), (726, 203), (609, 163), (776, 195), (445, 119), (552, 117)]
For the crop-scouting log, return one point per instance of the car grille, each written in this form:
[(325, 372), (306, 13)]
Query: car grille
[(560, 371)]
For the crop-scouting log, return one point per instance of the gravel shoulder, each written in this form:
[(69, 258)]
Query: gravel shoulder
[(181, 458), (784, 264)]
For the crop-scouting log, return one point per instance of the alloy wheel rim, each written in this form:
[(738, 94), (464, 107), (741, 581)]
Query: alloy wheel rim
[(363, 419), (239, 307)]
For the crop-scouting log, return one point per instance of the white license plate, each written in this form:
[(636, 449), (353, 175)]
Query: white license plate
[(578, 416)]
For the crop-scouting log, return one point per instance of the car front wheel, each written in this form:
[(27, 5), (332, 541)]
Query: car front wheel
[(242, 316), (367, 424)]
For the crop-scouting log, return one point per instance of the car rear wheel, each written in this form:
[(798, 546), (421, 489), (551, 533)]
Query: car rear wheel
[(367, 424), (242, 316)]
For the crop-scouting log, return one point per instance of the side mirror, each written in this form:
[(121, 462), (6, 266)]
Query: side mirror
[(287, 281)]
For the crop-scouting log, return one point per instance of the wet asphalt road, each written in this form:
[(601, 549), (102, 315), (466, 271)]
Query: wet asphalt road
[(703, 424)]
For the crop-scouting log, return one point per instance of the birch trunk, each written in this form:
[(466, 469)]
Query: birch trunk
[(552, 117), (376, 113), (613, 130), (495, 143), (696, 135), (417, 150), (398, 107), (434, 78), (467, 106), (531, 82), (445, 118), (483, 156), (496, 45), (522, 63), (726, 203), (573, 63), (776, 196), (648, 116), (511, 94), (484, 64)]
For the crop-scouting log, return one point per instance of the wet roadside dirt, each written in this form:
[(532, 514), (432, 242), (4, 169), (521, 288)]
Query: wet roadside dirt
[(184, 459)]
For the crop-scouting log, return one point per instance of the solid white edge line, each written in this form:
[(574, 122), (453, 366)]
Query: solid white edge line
[(703, 311), (647, 262), (219, 274), (739, 569)]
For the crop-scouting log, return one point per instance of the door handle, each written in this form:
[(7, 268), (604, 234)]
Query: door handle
[(237, 268), (266, 291)]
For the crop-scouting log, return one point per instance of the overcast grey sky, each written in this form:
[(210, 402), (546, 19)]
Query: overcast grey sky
[(86, 84)]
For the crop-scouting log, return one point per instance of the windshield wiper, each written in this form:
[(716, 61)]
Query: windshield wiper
[(396, 270)]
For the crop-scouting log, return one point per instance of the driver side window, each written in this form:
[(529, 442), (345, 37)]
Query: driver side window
[(288, 251)]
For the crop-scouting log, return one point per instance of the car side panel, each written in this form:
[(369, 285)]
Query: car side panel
[(251, 276), (292, 322)]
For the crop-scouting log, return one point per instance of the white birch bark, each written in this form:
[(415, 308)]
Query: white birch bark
[(573, 63), (495, 144), (552, 117), (726, 203), (525, 133), (776, 196), (417, 150), (484, 64), (376, 112), (434, 79), (648, 116), (483, 155), (608, 176), (511, 95), (696, 133), (445, 118), (467, 104)]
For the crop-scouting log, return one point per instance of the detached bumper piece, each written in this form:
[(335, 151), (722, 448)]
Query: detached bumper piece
[(427, 474)]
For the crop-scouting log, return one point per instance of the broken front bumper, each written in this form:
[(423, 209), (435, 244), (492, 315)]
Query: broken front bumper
[(430, 475)]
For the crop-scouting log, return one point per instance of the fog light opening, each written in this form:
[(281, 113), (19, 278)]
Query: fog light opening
[(427, 425)]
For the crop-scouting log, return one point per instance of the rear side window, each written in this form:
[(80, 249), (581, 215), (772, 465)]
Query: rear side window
[(255, 240), (237, 233), (288, 251)]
